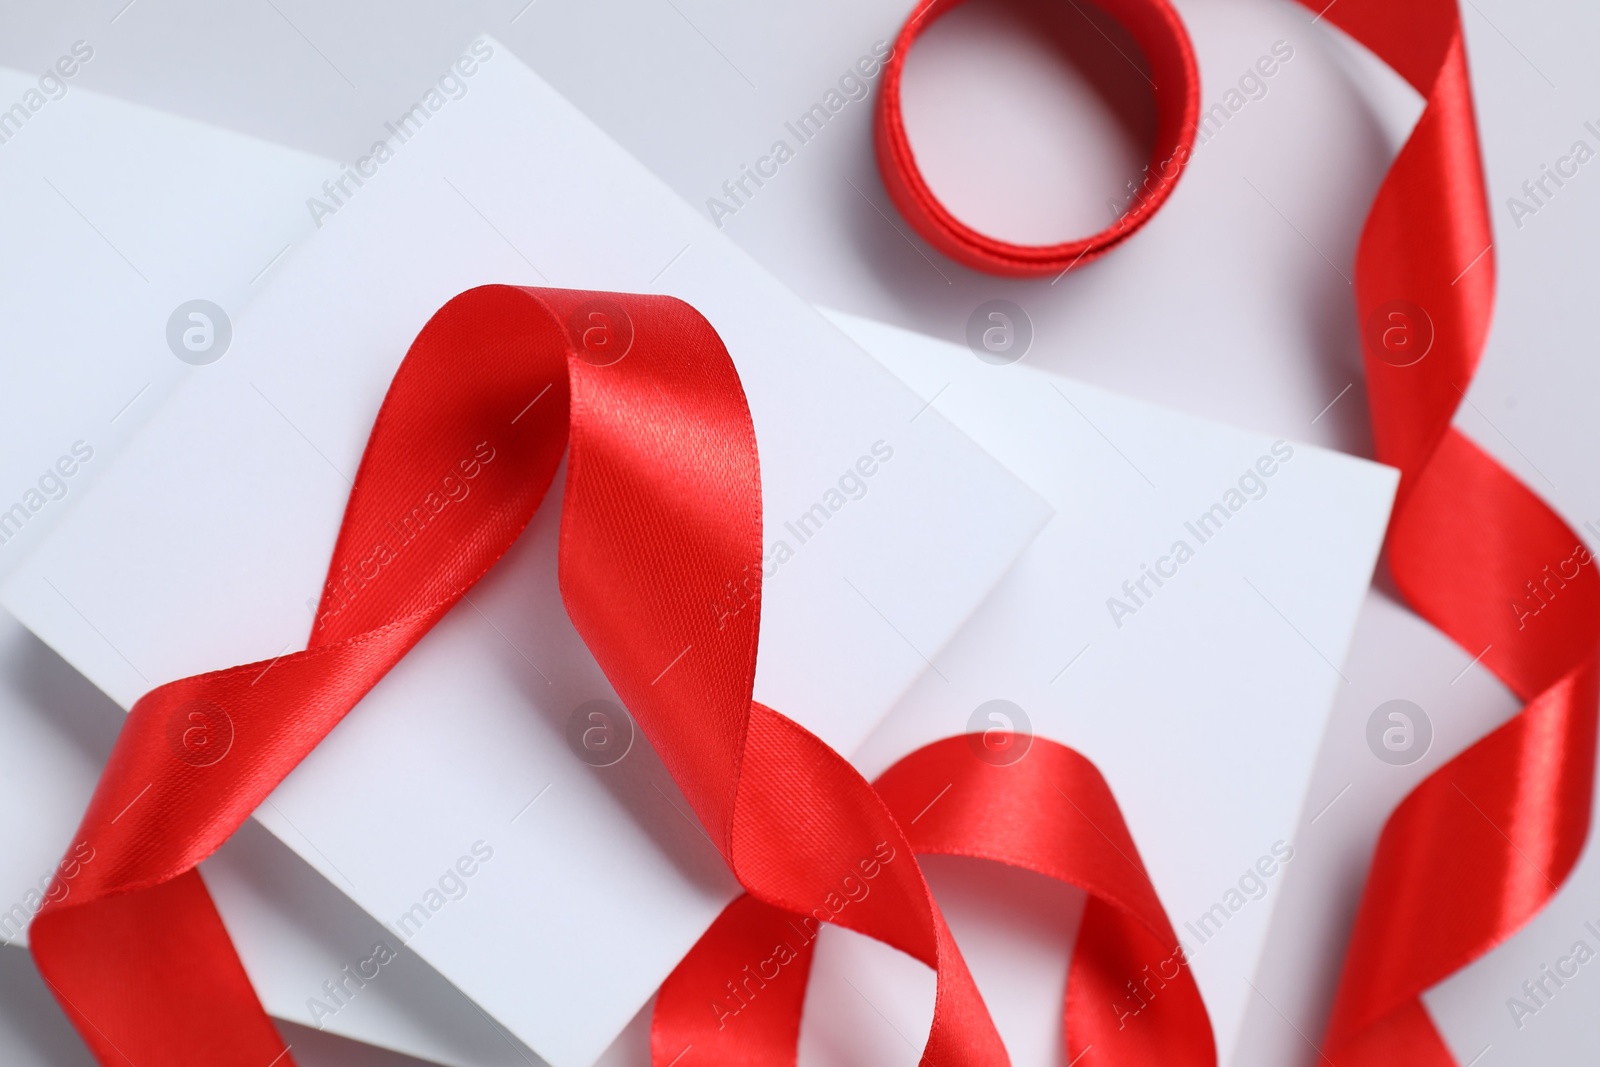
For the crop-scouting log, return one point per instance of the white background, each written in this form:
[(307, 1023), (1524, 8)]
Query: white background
[(1257, 329)]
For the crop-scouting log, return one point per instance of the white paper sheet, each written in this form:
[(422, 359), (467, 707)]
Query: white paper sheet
[(115, 215)]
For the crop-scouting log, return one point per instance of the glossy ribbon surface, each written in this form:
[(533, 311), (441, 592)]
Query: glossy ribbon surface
[(1131, 998), (662, 506), (1174, 79), (1482, 844)]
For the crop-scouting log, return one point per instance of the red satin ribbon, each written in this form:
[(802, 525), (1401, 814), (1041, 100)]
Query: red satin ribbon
[(1483, 843), (1131, 1000), (1175, 81), (662, 504)]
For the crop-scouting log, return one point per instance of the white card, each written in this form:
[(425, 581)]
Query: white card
[(117, 215), (1197, 678), (203, 544)]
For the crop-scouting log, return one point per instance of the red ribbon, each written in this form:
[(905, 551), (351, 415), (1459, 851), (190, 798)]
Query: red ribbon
[(662, 504), (1483, 843), (1175, 81), (1131, 999)]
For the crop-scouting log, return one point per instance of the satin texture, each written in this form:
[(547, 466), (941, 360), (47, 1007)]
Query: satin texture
[(1480, 846), (1174, 80), (662, 507), (1131, 999)]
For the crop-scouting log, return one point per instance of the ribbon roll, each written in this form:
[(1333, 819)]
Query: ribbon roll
[(1175, 80)]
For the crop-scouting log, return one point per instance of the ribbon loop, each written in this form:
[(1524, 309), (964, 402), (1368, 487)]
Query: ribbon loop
[(1131, 998), (461, 454), (662, 507), (1481, 845), (1175, 81)]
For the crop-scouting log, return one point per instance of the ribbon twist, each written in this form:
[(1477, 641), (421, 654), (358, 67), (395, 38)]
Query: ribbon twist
[(1174, 79), (1131, 999), (1480, 846)]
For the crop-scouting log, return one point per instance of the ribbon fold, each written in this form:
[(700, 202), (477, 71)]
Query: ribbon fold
[(737, 997)]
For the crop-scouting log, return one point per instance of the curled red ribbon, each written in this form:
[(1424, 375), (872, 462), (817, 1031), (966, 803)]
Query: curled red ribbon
[(662, 505), (1483, 843), (1175, 81)]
